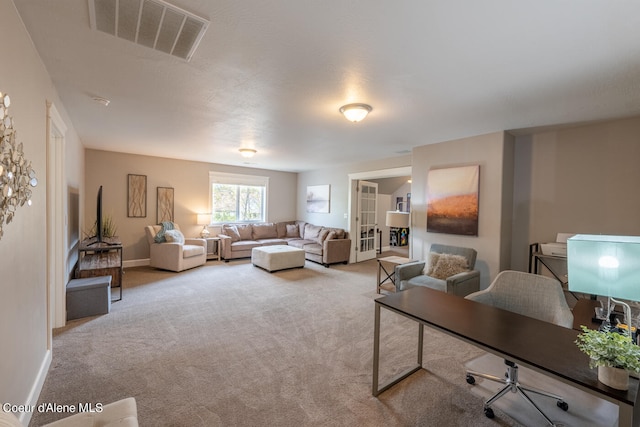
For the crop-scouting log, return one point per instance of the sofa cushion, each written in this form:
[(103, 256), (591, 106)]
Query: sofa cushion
[(322, 235), (336, 233), (264, 231), (175, 236), (281, 228), (312, 232), (429, 282), (231, 231), (313, 248), (270, 242), (449, 265), (299, 243), (292, 230), (245, 231), (244, 245)]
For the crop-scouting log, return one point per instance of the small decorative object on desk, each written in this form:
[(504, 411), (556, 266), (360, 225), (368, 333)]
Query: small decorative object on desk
[(615, 354)]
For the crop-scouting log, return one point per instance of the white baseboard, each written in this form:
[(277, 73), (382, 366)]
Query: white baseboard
[(36, 388), (136, 263)]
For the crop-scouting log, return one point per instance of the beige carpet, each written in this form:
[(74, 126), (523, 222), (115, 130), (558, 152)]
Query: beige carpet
[(229, 344)]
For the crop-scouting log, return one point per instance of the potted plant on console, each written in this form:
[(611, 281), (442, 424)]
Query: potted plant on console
[(615, 354)]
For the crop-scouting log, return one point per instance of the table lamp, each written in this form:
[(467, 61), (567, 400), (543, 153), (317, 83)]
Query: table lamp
[(605, 265), (397, 218), (204, 220)]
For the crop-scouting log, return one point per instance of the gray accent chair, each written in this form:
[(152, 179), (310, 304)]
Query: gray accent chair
[(534, 296), (462, 284)]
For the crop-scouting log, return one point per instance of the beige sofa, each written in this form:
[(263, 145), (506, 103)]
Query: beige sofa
[(324, 245)]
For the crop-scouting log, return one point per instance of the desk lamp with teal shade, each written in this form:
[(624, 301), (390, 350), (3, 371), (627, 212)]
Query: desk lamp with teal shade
[(607, 266)]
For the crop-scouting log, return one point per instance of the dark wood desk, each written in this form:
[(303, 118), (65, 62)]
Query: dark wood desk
[(541, 346)]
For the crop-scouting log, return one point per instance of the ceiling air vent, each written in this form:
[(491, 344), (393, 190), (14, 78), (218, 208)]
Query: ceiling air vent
[(151, 23)]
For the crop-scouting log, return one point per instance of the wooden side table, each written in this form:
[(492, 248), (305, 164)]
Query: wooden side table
[(389, 276), (213, 248)]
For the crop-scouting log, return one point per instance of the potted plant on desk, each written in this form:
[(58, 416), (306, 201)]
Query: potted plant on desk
[(615, 354)]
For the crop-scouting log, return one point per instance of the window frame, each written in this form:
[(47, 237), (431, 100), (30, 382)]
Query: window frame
[(237, 180)]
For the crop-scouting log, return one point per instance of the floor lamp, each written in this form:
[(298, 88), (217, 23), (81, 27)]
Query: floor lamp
[(605, 265)]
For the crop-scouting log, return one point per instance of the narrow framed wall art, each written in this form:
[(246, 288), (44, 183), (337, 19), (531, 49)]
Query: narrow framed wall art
[(136, 196), (164, 209)]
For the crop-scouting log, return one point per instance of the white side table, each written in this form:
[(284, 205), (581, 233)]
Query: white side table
[(213, 247)]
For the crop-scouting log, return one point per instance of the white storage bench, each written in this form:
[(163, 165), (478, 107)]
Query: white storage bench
[(88, 297), (277, 257)]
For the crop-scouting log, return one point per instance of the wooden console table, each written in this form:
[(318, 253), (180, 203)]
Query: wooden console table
[(101, 259)]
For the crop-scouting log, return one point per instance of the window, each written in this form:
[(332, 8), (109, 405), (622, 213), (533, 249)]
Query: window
[(238, 198)]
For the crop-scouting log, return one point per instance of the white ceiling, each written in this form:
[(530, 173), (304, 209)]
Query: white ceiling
[(272, 75)]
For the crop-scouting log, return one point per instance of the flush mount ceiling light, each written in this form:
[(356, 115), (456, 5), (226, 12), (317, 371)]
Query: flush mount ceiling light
[(247, 152), (101, 100), (355, 112)]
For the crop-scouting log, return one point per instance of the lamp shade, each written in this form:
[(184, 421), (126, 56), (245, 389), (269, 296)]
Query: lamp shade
[(397, 219), (604, 265), (203, 219)]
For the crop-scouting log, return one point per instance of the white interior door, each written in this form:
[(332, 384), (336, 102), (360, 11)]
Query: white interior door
[(366, 220)]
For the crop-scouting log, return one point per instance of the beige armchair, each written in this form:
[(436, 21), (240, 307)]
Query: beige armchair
[(451, 270), (176, 255)]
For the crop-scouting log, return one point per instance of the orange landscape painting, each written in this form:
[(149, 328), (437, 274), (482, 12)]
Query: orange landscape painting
[(452, 200)]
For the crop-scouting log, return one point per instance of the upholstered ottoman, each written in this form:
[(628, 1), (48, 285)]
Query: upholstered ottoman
[(89, 296), (277, 257)]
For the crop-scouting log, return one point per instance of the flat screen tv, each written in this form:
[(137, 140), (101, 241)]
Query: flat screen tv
[(99, 216), (99, 237)]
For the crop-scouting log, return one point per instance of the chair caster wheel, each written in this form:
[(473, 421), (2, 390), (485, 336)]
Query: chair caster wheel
[(470, 379), (489, 413), (563, 405)]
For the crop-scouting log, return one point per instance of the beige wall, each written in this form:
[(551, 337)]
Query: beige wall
[(338, 178), (23, 288), (576, 180), (190, 182), (494, 154)]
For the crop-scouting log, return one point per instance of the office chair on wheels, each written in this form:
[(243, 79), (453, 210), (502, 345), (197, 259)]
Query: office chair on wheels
[(530, 295)]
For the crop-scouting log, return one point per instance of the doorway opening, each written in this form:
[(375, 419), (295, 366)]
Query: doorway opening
[(392, 187)]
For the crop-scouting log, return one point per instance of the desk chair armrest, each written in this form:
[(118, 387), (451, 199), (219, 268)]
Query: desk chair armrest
[(463, 284), (409, 270)]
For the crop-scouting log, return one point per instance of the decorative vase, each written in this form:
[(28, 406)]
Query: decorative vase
[(613, 377)]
